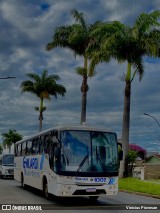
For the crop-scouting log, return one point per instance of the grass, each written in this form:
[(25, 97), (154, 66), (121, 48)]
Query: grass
[(156, 181), (136, 185)]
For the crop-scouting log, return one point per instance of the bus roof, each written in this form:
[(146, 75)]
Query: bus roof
[(62, 128)]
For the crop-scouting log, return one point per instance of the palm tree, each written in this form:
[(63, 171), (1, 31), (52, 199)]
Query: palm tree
[(76, 37), (11, 137), (129, 44), (43, 87)]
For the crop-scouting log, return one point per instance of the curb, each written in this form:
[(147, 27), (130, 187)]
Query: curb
[(140, 193)]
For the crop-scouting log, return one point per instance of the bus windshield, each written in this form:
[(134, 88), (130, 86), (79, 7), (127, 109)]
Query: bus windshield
[(8, 160), (88, 151)]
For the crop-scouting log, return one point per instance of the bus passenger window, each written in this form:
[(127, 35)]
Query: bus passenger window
[(29, 147), (19, 150), (35, 146), (23, 148), (46, 145), (41, 144)]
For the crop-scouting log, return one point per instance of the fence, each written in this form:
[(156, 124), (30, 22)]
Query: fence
[(151, 171)]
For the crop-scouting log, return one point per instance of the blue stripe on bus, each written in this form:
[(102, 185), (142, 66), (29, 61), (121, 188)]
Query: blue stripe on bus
[(41, 163)]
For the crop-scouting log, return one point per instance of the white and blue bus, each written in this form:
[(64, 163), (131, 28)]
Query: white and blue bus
[(69, 161)]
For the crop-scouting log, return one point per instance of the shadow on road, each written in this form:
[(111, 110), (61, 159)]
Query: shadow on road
[(66, 201)]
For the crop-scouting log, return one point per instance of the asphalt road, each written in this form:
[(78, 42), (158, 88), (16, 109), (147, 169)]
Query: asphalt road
[(12, 193)]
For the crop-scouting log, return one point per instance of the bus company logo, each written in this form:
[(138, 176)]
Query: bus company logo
[(81, 178), (111, 181), (30, 163), (100, 180)]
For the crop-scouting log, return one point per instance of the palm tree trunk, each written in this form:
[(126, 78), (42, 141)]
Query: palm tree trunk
[(40, 115), (126, 124), (84, 100), (84, 89)]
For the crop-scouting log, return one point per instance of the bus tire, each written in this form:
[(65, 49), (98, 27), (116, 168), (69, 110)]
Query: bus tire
[(93, 198), (45, 189), (22, 181)]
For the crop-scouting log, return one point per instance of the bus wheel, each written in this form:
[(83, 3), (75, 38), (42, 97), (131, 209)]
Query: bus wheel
[(94, 198), (22, 182), (45, 189)]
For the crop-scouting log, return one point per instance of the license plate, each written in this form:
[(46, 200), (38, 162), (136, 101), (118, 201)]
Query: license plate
[(91, 190)]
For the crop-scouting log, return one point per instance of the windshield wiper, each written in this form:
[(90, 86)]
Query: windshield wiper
[(81, 164)]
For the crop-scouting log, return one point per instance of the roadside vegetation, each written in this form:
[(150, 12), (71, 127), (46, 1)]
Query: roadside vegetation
[(104, 41), (150, 187), (9, 138)]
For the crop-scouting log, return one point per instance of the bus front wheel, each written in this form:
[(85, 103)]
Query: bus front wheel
[(45, 189)]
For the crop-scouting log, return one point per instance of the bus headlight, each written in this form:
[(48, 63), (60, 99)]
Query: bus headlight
[(69, 187), (66, 188), (112, 187)]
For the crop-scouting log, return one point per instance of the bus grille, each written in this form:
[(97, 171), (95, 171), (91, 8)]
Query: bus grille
[(11, 171), (83, 192)]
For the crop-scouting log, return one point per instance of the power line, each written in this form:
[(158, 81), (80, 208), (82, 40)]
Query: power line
[(7, 77)]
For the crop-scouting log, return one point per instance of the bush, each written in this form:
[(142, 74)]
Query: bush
[(140, 151)]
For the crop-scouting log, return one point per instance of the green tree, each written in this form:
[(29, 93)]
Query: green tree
[(76, 37), (128, 44), (43, 87), (132, 155), (10, 137)]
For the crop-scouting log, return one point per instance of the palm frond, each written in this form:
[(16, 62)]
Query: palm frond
[(79, 17), (37, 109), (28, 86), (146, 22), (60, 37), (81, 71), (139, 68), (33, 76)]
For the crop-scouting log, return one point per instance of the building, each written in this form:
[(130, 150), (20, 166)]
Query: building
[(152, 167)]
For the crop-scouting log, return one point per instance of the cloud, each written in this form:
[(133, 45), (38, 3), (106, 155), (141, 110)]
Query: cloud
[(27, 27)]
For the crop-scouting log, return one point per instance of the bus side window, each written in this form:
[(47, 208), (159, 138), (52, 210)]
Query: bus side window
[(46, 145), (41, 141), (35, 146), (23, 148), (29, 147), (19, 149)]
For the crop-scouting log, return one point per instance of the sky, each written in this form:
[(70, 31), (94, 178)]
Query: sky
[(26, 27)]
